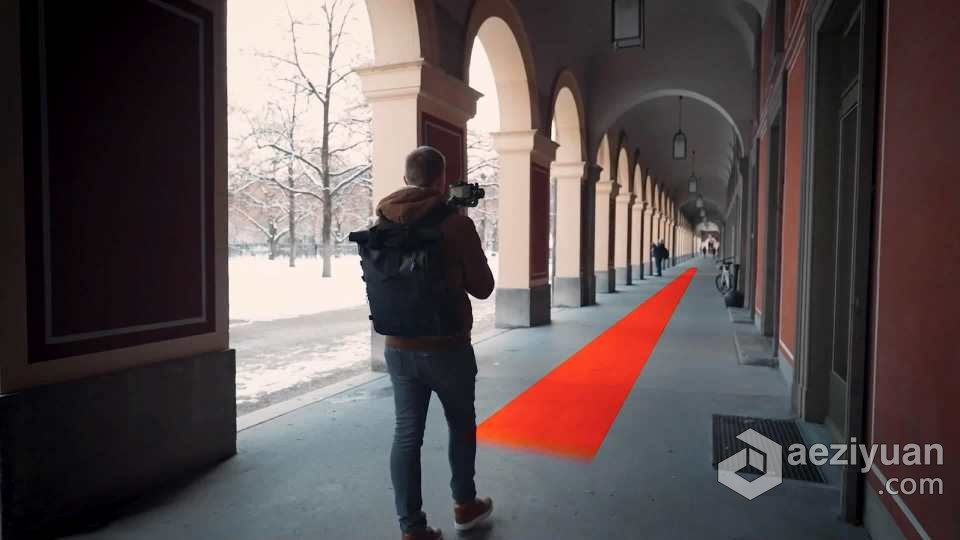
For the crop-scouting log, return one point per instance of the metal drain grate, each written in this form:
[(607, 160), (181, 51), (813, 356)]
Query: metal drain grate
[(783, 432)]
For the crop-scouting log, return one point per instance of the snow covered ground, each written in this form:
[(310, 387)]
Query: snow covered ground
[(295, 332), (274, 376), (265, 290)]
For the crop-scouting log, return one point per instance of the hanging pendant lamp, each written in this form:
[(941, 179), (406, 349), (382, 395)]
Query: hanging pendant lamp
[(680, 138), (692, 185)]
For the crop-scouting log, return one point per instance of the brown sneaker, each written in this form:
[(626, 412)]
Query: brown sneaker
[(468, 516), (426, 534)]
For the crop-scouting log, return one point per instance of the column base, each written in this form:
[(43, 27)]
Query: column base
[(590, 298), (637, 272), (523, 308), (623, 276), (75, 452), (606, 282), (569, 292)]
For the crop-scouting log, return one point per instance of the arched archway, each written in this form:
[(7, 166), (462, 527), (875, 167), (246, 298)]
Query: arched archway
[(570, 283), (523, 288), (499, 28), (568, 120), (402, 31)]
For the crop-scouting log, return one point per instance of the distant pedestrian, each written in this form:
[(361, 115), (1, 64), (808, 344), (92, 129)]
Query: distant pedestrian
[(703, 249), (661, 253)]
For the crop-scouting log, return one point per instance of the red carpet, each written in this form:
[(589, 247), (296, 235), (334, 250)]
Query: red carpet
[(570, 410)]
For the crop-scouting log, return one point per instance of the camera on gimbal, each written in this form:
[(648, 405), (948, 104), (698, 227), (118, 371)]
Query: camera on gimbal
[(465, 195)]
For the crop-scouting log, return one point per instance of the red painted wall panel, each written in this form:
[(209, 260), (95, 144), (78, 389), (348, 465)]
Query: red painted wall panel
[(796, 84), (761, 221), (539, 222), (449, 140), (916, 297)]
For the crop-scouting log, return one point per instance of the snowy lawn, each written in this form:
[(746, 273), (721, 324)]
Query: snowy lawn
[(265, 290)]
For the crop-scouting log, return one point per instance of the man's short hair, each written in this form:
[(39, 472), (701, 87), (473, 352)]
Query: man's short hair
[(424, 166)]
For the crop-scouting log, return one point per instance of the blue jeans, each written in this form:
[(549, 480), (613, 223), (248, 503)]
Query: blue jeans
[(415, 376), (659, 266)]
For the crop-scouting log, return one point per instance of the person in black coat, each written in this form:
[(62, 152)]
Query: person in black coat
[(660, 253)]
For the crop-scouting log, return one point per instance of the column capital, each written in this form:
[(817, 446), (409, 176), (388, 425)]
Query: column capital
[(605, 187), (593, 173), (446, 96), (541, 149), (624, 198), (390, 81), (437, 92), (572, 170)]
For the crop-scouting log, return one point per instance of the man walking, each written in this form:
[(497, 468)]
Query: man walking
[(661, 254), (445, 364)]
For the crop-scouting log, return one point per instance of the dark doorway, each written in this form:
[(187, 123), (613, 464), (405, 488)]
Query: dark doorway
[(845, 180), (770, 319), (836, 226)]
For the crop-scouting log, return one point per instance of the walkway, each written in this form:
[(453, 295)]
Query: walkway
[(321, 472)]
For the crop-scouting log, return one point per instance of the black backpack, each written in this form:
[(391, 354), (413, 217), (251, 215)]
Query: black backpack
[(406, 285)]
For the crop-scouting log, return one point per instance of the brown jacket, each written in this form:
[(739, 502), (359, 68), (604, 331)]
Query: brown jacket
[(466, 265)]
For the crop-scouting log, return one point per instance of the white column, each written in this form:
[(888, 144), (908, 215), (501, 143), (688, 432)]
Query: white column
[(603, 259), (398, 95), (647, 236), (636, 242), (523, 299), (393, 92), (622, 236), (569, 283)]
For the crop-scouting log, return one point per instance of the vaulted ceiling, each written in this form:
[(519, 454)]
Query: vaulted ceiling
[(702, 49)]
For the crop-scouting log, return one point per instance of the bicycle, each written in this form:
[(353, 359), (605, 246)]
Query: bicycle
[(724, 280)]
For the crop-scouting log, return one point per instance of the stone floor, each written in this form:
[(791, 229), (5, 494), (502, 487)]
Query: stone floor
[(321, 472)]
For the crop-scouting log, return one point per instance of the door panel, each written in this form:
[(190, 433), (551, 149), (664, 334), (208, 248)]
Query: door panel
[(843, 260)]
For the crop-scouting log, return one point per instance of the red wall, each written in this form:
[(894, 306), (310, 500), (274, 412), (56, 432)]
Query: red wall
[(916, 305), (796, 86)]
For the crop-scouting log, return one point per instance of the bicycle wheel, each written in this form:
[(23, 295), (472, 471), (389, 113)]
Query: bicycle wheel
[(720, 284)]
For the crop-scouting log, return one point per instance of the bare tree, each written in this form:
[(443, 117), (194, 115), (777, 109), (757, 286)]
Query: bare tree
[(328, 168), (483, 167), (277, 130), (251, 196)]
